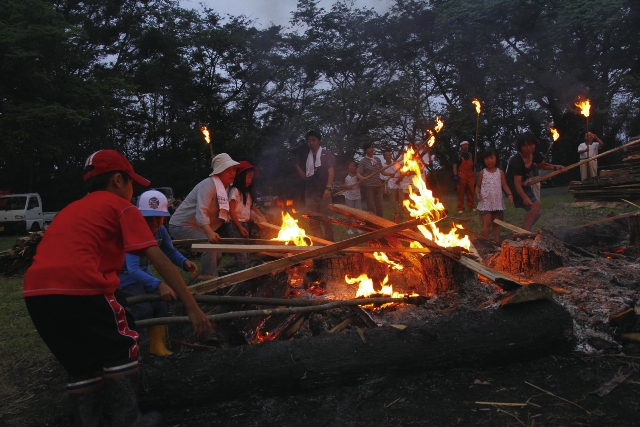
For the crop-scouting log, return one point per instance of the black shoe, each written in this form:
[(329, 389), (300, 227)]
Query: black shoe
[(86, 398), (120, 386)]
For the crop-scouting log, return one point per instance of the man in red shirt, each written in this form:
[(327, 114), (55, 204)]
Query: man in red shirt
[(70, 292)]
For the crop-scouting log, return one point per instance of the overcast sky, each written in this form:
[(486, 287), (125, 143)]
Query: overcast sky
[(265, 12)]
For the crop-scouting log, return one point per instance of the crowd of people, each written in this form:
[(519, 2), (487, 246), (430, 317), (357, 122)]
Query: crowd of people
[(99, 250)]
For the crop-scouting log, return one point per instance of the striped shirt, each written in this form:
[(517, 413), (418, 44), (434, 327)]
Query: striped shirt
[(367, 166)]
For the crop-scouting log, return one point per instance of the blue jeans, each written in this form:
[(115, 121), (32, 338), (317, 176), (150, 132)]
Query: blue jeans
[(145, 310), (357, 203), (230, 230), (208, 260)]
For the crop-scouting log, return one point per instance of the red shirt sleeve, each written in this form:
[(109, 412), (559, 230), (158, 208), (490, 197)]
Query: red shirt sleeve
[(136, 234)]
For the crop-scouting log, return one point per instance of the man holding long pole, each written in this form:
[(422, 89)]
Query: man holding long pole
[(464, 175)]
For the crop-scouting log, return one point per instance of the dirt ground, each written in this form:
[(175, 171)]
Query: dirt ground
[(553, 391), (448, 398)]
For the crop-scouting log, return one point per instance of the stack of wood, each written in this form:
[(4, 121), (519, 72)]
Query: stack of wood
[(622, 183), (17, 259)]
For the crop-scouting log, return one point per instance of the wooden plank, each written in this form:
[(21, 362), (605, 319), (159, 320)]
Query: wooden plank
[(210, 247), (512, 227), (250, 273)]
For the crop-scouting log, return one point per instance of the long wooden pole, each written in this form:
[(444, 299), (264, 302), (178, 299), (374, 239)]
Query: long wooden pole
[(285, 302), (582, 162), (250, 273), (209, 247), (291, 310)]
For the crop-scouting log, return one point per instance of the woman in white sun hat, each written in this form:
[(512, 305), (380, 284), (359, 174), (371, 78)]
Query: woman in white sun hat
[(205, 209)]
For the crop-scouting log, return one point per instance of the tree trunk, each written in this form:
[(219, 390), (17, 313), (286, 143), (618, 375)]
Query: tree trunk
[(482, 338), (442, 274), (532, 256)]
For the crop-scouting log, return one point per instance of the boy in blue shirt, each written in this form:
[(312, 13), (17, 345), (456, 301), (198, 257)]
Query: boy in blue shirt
[(136, 278)]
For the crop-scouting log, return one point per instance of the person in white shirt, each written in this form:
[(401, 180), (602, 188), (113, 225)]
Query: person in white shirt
[(589, 149)]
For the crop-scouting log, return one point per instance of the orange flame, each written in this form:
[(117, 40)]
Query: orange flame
[(365, 287), (289, 203), (478, 106), (554, 133), (439, 124), (432, 138), (584, 106), (290, 232), (423, 205), (205, 132), (383, 258)]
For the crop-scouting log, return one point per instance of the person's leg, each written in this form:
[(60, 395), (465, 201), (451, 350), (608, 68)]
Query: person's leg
[(461, 189), (328, 228), (311, 207), (140, 311), (486, 224), (367, 195), (377, 194), (593, 168), (533, 214), (85, 333), (357, 204), (208, 260), (496, 227), (583, 172), (470, 190)]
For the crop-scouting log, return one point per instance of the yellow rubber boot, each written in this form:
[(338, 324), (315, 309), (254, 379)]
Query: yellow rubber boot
[(157, 337)]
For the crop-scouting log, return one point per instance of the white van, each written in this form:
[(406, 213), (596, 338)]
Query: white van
[(23, 212)]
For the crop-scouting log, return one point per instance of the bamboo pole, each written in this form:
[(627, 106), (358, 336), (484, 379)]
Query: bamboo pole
[(582, 162), (208, 247), (250, 273), (269, 312), (287, 302), (228, 240)]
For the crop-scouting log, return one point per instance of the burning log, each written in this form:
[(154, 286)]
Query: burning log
[(441, 274), (483, 338), (250, 273), (534, 254)]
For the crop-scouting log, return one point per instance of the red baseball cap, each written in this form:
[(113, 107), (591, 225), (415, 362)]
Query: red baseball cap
[(104, 161)]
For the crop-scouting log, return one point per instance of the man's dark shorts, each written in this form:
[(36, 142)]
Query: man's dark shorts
[(519, 203)]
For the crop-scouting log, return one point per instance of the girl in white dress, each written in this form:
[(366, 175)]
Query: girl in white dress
[(491, 182)]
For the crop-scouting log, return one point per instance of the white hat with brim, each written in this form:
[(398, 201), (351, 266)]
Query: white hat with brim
[(222, 162), (464, 143), (153, 203)]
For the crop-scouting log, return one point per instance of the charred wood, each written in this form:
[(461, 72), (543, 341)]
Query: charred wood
[(482, 338)]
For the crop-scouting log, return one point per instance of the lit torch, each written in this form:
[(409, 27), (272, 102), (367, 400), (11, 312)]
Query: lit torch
[(478, 111), (205, 133), (554, 135), (585, 107)]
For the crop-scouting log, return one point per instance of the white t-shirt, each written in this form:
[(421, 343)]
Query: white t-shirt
[(593, 149), (243, 210)]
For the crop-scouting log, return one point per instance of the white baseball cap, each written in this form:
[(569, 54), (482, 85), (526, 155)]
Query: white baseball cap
[(463, 143), (153, 203)]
